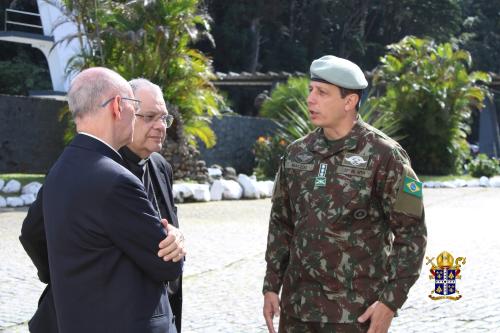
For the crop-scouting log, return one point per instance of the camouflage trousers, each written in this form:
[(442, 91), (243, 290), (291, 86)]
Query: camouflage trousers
[(294, 325)]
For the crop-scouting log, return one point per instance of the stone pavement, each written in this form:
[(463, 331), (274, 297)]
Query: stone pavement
[(225, 266)]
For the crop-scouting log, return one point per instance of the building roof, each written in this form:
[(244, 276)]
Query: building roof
[(253, 79)]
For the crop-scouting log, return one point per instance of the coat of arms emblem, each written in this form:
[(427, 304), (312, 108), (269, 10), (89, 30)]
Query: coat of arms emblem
[(445, 275)]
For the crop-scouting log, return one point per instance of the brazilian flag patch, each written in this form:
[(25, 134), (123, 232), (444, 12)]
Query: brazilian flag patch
[(413, 187)]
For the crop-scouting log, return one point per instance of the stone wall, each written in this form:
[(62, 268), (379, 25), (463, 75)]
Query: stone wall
[(31, 135), (236, 136), (31, 139)]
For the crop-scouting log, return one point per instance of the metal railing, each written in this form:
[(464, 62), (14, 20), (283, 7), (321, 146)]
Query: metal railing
[(11, 21)]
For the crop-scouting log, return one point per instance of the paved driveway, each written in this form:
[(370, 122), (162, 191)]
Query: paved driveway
[(225, 266)]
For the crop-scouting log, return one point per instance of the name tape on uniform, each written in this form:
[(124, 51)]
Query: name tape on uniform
[(299, 166), (353, 171)]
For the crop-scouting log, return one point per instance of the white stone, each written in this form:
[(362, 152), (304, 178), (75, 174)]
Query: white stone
[(216, 190), (28, 199), (3, 202), (31, 188), (2, 183), (495, 181), (214, 172), (459, 182), (484, 181), (433, 184), (250, 190), (265, 188), (473, 183), (429, 184), (449, 184), (201, 192), (12, 186), (182, 191), (232, 190), (14, 202), (175, 192)]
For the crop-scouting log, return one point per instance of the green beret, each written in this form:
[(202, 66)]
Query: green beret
[(338, 71)]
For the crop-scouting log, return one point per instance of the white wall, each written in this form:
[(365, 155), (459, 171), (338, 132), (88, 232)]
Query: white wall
[(57, 58)]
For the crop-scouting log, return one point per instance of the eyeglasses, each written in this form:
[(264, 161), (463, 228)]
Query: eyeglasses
[(136, 103), (167, 119)]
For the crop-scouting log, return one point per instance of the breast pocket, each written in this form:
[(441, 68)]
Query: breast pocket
[(300, 185), (350, 196)]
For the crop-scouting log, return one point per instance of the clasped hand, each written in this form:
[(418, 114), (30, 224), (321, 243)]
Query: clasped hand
[(172, 247)]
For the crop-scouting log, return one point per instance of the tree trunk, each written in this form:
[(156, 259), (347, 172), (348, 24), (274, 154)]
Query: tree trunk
[(291, 20), (315, 20), (255, 47)]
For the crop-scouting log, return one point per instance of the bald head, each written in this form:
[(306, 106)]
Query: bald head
[(90, 88), (103, 105)]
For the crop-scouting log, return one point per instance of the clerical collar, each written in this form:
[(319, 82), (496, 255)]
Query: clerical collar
[(132, 157)]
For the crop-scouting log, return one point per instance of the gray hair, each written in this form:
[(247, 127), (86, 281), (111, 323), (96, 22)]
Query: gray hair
[(90, 89), (140, 83)]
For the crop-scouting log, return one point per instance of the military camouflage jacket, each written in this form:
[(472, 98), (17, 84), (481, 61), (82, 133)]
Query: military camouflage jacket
[(347, 226)]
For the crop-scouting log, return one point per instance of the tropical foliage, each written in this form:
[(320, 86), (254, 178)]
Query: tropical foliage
[(429, 90), (482, 165), (287, 35), (152, 39), (268, 152), (285, 96), (481, 33)]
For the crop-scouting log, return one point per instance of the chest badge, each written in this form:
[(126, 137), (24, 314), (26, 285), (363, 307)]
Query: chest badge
[(320, 180), (356, 161), (304, 157)]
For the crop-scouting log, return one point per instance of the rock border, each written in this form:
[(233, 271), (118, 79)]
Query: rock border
[(12, 194)]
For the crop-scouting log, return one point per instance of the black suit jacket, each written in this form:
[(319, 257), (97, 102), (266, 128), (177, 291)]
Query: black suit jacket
[(102, 239), (34, 242)]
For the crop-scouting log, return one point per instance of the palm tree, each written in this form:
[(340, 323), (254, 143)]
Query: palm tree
[(152, 39)]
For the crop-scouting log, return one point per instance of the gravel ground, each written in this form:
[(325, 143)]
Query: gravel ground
[(225, 266)]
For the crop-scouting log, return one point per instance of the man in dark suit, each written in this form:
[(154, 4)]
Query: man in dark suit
[(106, 245), (141, 158)]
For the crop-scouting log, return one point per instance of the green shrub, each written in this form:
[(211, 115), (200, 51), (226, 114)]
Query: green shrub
[(285, 96), (428, 89), (23, 178), (154, 40), (268, 153), (20, 75), (482, 165)]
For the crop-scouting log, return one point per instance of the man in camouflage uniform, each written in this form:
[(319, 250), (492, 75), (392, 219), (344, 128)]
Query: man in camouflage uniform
[(347, 234)]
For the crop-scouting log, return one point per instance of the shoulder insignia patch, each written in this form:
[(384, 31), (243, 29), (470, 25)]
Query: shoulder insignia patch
[(409, 198)]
